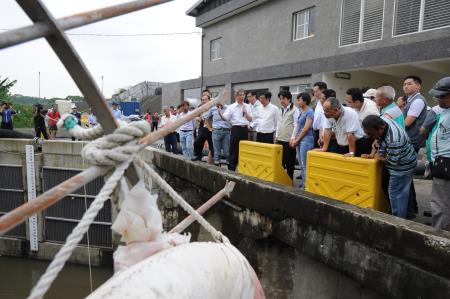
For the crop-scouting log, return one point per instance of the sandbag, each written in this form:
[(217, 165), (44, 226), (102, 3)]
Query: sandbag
[(198, 270)]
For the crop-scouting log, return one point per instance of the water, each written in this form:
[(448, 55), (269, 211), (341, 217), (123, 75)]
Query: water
[(283, 272), (19, 275)]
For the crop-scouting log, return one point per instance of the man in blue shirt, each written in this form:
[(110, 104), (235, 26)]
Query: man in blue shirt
[(116, 111), (221, 132), (395, 150), (440, 155), (7, 112)]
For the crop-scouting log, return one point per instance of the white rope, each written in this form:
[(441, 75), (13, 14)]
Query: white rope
[(217, 235), (125, 145), (77, 131), (77, 234), (87, 233), (118, 148)]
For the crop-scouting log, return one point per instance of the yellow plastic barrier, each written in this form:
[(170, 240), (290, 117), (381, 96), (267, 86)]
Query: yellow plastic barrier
[(353, 180), (263, 161)]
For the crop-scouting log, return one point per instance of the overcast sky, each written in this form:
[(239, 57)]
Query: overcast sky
[(122, 61)]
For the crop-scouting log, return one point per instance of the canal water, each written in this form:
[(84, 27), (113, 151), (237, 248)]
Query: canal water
[(283, 271)]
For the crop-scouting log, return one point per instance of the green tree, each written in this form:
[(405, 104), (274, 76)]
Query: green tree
[(5, 86)]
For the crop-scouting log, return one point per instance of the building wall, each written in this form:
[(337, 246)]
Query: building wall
[(262, 37)]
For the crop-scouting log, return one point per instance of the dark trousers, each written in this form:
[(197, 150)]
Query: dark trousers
[(39, 131), (7, 126), (238, 133), (203, 135), (288, 158), (154, 126), (363, 146), (264, 137), (170, 142), (412, 204), (316, 134)]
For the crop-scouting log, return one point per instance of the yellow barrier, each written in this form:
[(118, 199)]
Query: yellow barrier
[(263, 160), (353, 180)]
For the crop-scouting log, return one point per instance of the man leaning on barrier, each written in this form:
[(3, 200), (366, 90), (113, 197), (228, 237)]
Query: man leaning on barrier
[(345, 124), (392, 146)]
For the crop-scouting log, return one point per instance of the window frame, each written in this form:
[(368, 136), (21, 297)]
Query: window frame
[(361, 23), (421, 20), (306, 25), (217, 51)]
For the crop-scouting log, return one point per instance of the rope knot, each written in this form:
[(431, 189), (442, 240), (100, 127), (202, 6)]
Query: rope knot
[(117, 147)]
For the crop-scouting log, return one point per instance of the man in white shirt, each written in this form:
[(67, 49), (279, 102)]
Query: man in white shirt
[(170, 140), (254, 105), (287, 122), (239, 117), (363, 107), (267, 119), (344, 122), (318, 92)]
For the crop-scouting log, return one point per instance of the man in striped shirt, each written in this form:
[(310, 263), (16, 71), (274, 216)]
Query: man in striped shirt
[(393, 147)]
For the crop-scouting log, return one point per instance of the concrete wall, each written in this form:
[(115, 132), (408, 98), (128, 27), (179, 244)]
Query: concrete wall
[(396, 257), (262, 36)]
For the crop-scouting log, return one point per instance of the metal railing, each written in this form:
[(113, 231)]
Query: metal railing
[(53, 31)]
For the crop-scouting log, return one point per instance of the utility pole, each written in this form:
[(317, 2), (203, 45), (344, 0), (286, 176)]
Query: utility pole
[(39, 84), (102, 86)]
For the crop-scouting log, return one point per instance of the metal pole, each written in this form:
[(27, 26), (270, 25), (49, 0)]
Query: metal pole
[(39, 80), (229, 186), (48, 198), (41, 29), (65, 51), (102, 87)]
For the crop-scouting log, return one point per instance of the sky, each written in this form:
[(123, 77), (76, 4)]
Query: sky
[(122, 61)]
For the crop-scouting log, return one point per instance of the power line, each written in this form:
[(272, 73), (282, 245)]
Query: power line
[(129, 35)]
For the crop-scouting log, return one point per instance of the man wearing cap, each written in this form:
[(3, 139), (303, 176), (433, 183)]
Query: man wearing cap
[(440, 155), (370, 94), (116, 111)]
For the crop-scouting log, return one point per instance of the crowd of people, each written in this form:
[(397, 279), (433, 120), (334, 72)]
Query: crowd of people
[(369, 123)]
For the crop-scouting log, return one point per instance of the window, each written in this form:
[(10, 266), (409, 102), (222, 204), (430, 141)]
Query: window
[(361, 21), (303, 24), (216, 49), (419, 15)]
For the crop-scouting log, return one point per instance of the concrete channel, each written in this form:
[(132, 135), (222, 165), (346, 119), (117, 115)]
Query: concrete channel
[(288, 235)]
